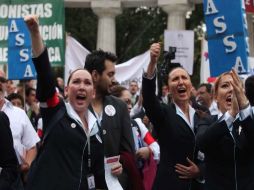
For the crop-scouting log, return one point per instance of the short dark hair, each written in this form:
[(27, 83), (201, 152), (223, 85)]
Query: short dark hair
[(14, 96), (174, 66), (208, 87), (29, 90), (96, 60), (3, 80), (135, 81), (249, 89), (117, 90)]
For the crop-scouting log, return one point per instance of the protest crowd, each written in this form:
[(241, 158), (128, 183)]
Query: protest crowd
[(94, 133)]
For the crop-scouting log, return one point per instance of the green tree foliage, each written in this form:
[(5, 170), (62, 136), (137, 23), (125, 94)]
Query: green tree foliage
[(82, 25), (195, 23), (136, 30)]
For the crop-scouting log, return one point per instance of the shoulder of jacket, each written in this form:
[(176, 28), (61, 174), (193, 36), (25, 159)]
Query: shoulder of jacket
[(115, 100)]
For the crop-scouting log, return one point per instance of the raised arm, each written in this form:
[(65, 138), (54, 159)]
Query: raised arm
[(155, 50), (45, 80), (150, 101), (32, 23), (46, 91)]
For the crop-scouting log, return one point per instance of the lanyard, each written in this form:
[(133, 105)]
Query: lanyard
[(89, 160), (88, 141)]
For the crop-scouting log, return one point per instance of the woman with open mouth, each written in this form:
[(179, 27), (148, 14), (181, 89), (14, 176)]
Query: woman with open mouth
[(228, 142), (72, 152)]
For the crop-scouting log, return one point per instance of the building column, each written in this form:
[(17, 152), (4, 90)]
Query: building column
[(106, 34), (176, 14)]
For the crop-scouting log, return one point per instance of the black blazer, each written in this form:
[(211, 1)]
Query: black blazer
[(229, 157), (117, 132), (62, 161), (176, 139), (8, 157)]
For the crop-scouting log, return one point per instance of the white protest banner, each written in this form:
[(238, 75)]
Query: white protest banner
[(183, 40), (205, 67), (132, 69), (75, 56)]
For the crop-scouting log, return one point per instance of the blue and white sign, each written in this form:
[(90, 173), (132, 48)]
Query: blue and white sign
[(226, 35), (20, 65)]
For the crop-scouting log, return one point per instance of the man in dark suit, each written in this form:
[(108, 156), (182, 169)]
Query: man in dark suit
[(111, 112), (175, 124), (8, 159), (133, 88)]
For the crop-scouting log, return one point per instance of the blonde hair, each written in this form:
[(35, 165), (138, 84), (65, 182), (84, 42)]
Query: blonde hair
[(216, 84)]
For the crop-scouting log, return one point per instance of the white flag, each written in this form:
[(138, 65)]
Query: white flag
[(205, 66), (132, 69), (75, 56)]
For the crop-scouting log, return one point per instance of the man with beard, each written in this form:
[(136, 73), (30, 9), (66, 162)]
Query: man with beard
[(111, 112), (176, 126)]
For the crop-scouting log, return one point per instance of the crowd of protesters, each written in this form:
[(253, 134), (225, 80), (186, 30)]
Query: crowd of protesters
[(94, 133)]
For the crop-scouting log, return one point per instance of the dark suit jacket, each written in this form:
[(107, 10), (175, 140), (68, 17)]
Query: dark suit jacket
[(176, 139), (229, 158), (8, 157), (117, 132), (62, 160)]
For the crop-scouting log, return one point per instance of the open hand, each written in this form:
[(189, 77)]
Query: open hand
[(239, 90), (187, 172)]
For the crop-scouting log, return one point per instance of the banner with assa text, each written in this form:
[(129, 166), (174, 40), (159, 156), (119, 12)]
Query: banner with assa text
[(51, 18), (20, 64), (226, 35)]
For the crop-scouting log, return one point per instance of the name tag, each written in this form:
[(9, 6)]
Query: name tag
[(90, 182)]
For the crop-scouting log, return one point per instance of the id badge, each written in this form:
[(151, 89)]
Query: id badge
[(90, 182)]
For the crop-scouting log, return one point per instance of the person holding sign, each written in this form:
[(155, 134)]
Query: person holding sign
[(72, 154), (228, 143)]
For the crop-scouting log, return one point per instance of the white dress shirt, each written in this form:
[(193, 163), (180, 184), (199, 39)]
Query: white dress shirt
[(23, 133)]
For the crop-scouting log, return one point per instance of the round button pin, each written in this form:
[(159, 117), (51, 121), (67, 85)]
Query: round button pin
[(110, 110), (73, 125), (104, 132)]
